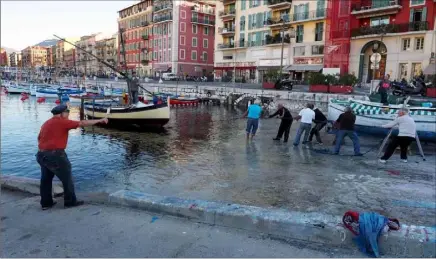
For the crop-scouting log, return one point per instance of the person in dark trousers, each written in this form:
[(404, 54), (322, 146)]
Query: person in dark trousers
[(285, 125), (406, 135), (51, 156), (134, 88), (320, 122), (383, 88), (346, 123)]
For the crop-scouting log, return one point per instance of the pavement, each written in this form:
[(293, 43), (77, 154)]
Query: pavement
[(98, 230)]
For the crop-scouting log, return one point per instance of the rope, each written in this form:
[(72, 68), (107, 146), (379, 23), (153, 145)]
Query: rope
[(327, 151)]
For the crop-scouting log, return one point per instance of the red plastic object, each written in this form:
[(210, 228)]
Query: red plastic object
[(318, 88), (431, 92), (40, 100), (268, 85), (57, 101)]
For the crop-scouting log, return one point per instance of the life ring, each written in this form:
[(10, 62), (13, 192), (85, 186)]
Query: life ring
[(209, 94)]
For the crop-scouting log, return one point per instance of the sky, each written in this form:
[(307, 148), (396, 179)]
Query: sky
[(26, 23)]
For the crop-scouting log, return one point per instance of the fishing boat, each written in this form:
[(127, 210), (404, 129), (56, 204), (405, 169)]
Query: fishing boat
[(141, 115), (98, 98), (394, 99), (113, 91), (182, 100), (18, 88), (371, 116), (54, 93)]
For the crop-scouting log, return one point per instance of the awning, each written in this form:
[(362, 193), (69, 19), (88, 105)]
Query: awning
[(267, 67), (231, 68), (430, 69), (304, 68)]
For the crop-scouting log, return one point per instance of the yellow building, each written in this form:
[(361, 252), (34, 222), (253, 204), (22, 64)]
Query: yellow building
[(308, 20), (252, 37), (34, 56)]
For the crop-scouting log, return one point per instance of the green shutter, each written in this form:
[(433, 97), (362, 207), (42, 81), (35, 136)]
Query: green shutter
[(259, 21), (250, 4), (249, 39), (265, 2), (242, 4), (424, 14), (258, 38), (306, 11), (412, 12), (249, 21)]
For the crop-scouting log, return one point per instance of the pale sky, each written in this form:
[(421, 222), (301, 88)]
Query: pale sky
[(25, 23)]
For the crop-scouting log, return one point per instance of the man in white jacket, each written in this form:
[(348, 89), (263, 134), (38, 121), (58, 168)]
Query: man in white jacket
[(407, 132)]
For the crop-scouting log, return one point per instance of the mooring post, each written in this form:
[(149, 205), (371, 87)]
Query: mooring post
[(82, 109)]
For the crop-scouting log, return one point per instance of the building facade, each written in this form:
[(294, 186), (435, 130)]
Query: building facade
[(15, 59), (85, 63), (34, 56), (106, 50), (4, 58), (69, 60), (251, 37), (50, 57), (136, 23)]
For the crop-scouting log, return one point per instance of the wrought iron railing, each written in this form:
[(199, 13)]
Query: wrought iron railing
[(315, 14), (239, 44), (228, 12), (162, 18), (365, 5), (276, 39), (226, 30), (202, 21), (274, 2), (161, 7), (390, 28)]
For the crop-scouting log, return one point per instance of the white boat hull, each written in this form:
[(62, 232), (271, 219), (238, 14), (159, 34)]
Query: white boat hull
[(77, 99)]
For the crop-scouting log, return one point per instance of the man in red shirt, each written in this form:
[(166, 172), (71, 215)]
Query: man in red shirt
[(51, 156)]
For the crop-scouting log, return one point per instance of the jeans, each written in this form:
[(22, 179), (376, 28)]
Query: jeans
[(285, 127), (53, 163), (315, 131), (252, 125), (384, 97), (134, 97), (396, 141), (304, 127), (340, 135)]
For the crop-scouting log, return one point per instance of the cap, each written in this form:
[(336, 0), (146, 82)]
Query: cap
[(59, 109)]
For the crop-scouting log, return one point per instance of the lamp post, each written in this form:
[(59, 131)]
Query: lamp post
[(376, 49)]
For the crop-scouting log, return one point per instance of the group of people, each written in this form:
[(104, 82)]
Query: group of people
[(344, 125)]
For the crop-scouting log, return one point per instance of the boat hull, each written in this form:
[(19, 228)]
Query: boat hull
[(177, 101), (145, 116), (372, 123), (77, 99)]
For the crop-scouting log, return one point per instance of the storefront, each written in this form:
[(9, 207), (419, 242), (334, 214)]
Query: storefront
[(301, 67), (242, 71)]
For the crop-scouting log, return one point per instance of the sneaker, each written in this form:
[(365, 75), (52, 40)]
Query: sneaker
[(382, 161), (404, 160), (77, 203), (49, 207)]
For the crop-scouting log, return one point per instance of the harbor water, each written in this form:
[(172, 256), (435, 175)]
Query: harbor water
[(202, 154)]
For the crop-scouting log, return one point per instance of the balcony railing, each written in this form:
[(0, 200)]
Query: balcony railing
[(240, 44), (368, 6), (158, 8), (162, 18), (279, 3), (145, 61), (145, 37), (277, 39), (196, 9), (311, 15), (274, 22), (227, 13), (202, 21), (390, 28), (226, 30), (144, 24)]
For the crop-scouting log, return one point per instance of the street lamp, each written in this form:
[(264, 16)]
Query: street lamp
[(378, 50)]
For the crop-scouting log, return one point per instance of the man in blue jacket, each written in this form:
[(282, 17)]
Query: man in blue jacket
[(253, 113)]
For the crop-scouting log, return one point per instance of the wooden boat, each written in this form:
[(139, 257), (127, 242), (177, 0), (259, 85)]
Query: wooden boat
[(54, 93), (178, 100), (393, 99), (371, 116), (19, 88), (141, 115), (78, 99)]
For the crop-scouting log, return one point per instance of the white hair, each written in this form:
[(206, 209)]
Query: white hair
[(405, 110), (257, 101)]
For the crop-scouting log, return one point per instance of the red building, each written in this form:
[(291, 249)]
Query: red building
[(401, 31), (183, 37), (4, 59)]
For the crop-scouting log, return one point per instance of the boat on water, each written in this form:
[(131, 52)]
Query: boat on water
[(182, 100), (113, 91), (98, 98), (141, 115), (394, 99), (54, 93), (18, 88), (371, 116)]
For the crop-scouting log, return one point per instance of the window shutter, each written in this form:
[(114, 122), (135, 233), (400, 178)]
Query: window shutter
[(424, 15), (250, 3), (249, 39), (412, 12), (243, 4), (249, 21), (259, 38), (306, 11), (259, 22)]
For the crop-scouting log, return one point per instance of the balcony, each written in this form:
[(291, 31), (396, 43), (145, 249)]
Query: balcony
[(161, 8), (226, 31), (145, 37), (196, 9), (144, 49), (202, 21), (373, 8), (277, 40), (228, 15), (145, 24), (284, 20), (145, 62), (240, 44), (308, 16), (389, 28), (279, 4), (163, 18)]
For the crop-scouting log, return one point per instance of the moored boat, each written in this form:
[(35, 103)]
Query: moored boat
[(18, 88), (371, 116), (414, 101), (180, 100), (98, 98), (142, 115), (54, 93)]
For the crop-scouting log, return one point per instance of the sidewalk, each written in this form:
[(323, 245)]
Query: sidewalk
[(97, 230)]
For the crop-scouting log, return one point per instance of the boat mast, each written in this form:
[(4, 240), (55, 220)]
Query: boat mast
[(123, 52)]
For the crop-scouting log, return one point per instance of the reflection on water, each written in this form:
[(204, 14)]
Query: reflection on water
[(202, 154)]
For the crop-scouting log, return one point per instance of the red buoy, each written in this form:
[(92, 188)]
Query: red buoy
[(57, 101), (40, 100), (24, 98)]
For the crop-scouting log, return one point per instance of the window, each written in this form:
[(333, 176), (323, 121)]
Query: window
[(379, 21), (154, 55), (182, 54), (416, 69), (169, 42), (299, 51), (194, 55), (319, 31), (405, 44), (205, 56), (194, 42), (416, 2), (419, 43), (318, 50), (183, 27), (300, 33), (227, 57), (183, 14), (205, 43), (206, 30), (182, 40), (403, 71), (194, 28), (164, 43)]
